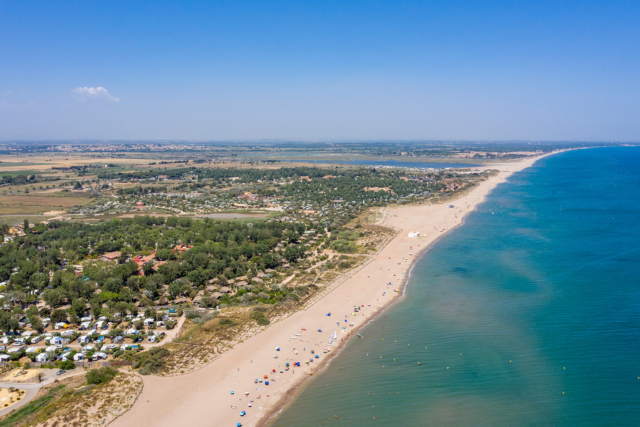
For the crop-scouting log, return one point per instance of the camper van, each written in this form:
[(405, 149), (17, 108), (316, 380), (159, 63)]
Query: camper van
[(99, 356), (87, 348)]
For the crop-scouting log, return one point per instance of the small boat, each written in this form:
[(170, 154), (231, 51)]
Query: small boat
[(360, 336)]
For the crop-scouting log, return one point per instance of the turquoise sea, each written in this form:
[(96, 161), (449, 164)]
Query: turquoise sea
[(528, 315)]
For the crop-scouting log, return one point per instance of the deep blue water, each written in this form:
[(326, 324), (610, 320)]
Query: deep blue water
[(394, 163), (528, 315)]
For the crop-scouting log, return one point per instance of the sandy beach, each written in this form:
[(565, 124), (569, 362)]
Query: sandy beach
[(204, 397)]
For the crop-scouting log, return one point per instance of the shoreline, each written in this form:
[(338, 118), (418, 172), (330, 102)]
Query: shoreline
[(289, 398), (203, 397)]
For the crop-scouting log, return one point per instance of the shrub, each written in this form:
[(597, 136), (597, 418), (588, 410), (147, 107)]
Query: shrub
[(101, 375), (67, 365), (345, 264), (260, 318), (170, 324), (226, 322), (151, 361)]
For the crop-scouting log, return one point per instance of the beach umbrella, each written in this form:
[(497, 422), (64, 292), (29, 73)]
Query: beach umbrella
[(231, 392)]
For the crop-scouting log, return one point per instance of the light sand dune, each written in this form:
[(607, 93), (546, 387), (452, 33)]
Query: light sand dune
[(203, 397)]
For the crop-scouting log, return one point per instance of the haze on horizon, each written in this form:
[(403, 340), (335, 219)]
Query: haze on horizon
[(355, 70)]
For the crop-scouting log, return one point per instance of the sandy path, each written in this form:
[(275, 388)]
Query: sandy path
[(203, 397)]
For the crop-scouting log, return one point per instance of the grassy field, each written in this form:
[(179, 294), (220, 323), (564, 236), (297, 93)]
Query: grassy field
[(27, 204)]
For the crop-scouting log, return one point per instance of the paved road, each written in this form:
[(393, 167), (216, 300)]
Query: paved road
[(33, 389)]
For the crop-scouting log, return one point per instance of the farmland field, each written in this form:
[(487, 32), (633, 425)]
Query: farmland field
[(15, 205)]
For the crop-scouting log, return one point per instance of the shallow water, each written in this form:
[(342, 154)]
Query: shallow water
[(527, 315)]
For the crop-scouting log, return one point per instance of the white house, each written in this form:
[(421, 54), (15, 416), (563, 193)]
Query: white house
[(87, 348), (84, 339), (4, 357), (33, 349), (78, 357), (42, 357), (35, 340), (99, 356)]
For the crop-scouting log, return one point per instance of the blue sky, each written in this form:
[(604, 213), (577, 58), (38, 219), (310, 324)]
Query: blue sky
[(323, 70)]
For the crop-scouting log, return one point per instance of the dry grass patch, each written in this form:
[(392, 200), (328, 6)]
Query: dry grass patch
[(13, 205), (93, 406)]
